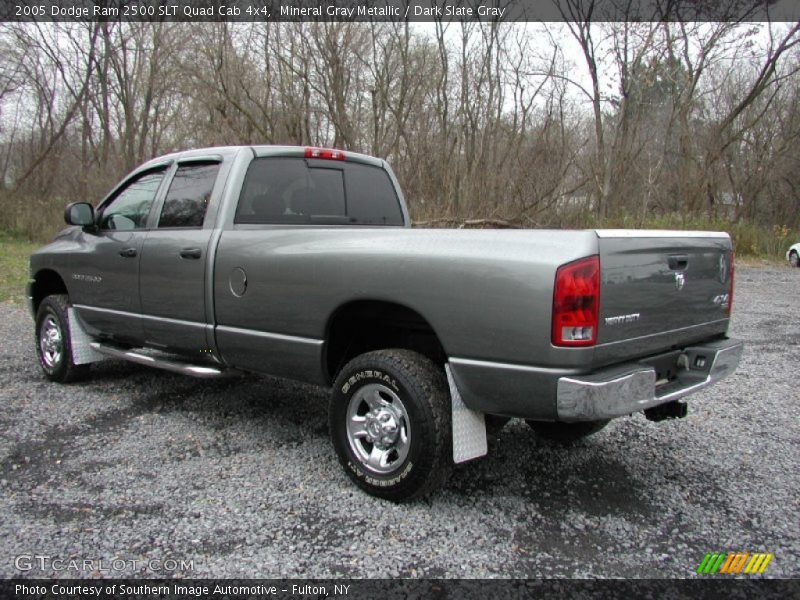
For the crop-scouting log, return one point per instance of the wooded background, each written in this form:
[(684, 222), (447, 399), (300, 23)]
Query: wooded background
[(575, 124)]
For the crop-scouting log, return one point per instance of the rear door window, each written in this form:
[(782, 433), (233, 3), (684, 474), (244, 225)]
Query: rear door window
[(188, 196)]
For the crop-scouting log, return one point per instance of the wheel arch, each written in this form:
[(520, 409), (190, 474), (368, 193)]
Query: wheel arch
[(45, 283), (364, 325)]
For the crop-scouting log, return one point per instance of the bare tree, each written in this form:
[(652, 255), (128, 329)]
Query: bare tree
[(486, 124)]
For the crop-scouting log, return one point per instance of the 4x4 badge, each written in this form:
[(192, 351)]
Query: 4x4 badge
[(680, 280)]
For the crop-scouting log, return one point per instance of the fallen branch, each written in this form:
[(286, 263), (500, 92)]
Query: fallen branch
[(469, 223)]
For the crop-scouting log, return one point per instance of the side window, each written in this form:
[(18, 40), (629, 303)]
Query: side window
[(130, 207), (371, 199), (188, 195)]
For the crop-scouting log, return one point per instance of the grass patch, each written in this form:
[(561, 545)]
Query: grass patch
[(760, 261), (14, 254)]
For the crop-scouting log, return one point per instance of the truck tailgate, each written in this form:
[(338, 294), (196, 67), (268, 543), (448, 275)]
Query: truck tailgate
[(661, 290)]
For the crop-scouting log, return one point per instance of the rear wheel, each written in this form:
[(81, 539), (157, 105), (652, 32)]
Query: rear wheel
[(566, 433), (390, 424), (794, 260), (53, 345)]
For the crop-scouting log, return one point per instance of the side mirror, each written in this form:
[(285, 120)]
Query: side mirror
[(79, 213)]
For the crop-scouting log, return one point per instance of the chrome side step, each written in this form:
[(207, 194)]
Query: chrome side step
[(204, 371)]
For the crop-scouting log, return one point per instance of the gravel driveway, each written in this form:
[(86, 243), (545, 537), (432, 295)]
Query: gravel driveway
[(235, 478)]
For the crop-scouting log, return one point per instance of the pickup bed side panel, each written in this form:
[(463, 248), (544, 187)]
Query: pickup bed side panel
[(487, 295)]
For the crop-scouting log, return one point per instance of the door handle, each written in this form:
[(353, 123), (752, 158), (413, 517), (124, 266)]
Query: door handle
[(128, 253), (678, 262), (191, 253)]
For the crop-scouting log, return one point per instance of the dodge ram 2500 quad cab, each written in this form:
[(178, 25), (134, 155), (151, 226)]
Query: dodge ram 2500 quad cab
[(301, 263)]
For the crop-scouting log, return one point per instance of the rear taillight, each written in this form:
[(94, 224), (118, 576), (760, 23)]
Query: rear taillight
[(576, 303), (326, 153), (730, 287)]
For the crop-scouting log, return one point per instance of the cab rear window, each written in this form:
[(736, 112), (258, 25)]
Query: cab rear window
[(296, 191)]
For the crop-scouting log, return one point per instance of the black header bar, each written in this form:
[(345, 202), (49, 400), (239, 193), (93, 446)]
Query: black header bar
[(399, 10), (357, 589)]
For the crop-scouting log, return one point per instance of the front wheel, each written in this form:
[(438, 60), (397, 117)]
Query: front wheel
[(566, 433), (390, 424), (53, 345), (794, 260)]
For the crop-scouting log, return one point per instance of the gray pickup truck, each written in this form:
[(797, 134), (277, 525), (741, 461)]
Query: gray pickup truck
[(301, 263)]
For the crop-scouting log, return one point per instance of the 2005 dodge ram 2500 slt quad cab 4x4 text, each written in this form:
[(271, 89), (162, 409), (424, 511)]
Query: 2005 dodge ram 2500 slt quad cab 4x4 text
[(301, 263)]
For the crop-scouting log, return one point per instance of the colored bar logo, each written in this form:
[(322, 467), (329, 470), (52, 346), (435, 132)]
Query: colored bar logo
[(733, 563)]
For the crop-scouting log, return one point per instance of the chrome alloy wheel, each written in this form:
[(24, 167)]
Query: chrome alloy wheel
[(377, 428), (51, 342)]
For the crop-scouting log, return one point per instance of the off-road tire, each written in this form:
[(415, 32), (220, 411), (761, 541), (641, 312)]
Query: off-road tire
[(796, 261), (566, 433), (421, 388), (52, 316)]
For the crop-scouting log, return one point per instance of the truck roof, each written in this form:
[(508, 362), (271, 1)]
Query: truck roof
[(263, 150)]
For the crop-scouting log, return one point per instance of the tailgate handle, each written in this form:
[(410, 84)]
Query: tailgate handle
[(191, 253), (678, 262)]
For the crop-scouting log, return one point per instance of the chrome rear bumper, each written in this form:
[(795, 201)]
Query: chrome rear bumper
[(631, 388)]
